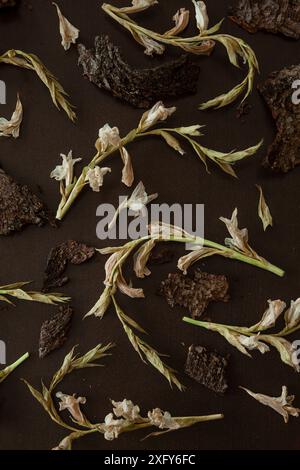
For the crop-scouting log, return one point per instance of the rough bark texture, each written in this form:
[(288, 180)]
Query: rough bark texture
[(54, 332), (19, 206), (69, 251), (274, 16), (105, 67), (195, 293), (284, 153), (208, 368)]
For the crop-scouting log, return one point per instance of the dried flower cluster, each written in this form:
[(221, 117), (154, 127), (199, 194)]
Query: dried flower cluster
[(282, 405), (16, 291), (252, 338), (201, 44), (125, 416), (9, 369), (237, 248), (32, 62), (109, 142)]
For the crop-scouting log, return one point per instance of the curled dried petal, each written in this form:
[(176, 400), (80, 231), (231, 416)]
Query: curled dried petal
[(12, 127), (127, 172), (141, 258), (282, 404), (137, 6), (128, 289), (273, 312), (69, 34), (181, 19), (155, 115), (263, 210), (201, 15)]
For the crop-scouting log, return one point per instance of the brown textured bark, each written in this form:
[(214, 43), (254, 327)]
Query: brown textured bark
[(207, 368), (195, 293), (105, 67), (19, 206), (54, 332), (69, 251), (274, 16), (284, 153)]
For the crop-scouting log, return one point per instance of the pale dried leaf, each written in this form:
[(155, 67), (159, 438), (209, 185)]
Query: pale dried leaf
[(69, 34), (263, 210)]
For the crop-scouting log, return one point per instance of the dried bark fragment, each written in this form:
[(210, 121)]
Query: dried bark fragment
[(105, 67), (195, 293), (58, 258), (54, 332), (284, 153), (207, 368), (19, 206), (160, 256), (273, 16), (7, 3)]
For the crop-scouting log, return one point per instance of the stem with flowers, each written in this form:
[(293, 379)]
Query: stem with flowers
[(201, 44), (245, 339), (236, 248), (125, 416), (109, 142)]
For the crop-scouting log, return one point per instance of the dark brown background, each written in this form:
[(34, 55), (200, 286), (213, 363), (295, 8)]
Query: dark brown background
[(45, 133)]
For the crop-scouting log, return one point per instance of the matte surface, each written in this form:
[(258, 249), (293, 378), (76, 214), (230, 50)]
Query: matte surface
[(45, 133)]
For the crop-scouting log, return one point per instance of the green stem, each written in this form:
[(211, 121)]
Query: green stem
[(9, 369)]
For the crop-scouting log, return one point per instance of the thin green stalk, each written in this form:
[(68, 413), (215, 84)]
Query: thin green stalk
[(9, 369)]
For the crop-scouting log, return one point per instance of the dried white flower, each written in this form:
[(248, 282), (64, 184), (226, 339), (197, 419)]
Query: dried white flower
[(156, 114), (292, 315), (137, 6), (108, 136), (162, 420), (181, 19), (12, 127), (127, 289), (275, 309), (282, 404), (252, 342), (136, 203), (151, 46), (239, 238), (201, 15), (66, 170), (113, 427), (95, 177), (127, 410), (127, 172), (72, 404), (69, 34)]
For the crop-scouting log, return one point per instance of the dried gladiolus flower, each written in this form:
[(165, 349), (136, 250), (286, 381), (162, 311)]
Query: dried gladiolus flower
[(69, 34), (282, 404), (112, 427), (181, 19), (252, 342), (108, 136), (127, 289), (127, 410), (162, 420), (127, 172), (201, 15), (95, 177), (138, 6), (292, 315), (66, 170), (141, 258), (156, 114), (269, 318), (12, 127), (72, 404)]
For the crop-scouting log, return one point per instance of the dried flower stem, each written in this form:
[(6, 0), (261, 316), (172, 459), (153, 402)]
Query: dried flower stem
[(9, 369), (201, 44), (225, 161), (16, 291), (112, 427), (32, 62)]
